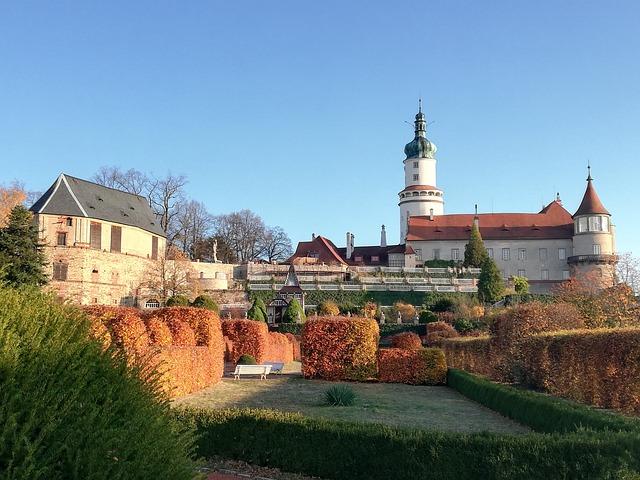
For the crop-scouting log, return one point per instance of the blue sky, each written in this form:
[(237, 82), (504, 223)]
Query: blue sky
[(297, 110)]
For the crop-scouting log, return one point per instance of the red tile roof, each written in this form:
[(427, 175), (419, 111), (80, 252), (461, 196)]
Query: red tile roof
[(320, 248), (553, 221), (590, 202), (419, 187)]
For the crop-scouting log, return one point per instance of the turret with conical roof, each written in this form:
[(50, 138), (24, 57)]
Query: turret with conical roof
[(593, 239)]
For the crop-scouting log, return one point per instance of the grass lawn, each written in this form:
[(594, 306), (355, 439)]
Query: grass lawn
[(434, 408)]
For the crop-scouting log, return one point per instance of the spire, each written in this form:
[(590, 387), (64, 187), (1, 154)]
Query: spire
[(591, 203), (292, 278), (420, 146), (420, 123)]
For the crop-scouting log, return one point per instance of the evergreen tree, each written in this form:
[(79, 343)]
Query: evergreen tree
[(256, 313), (293, 313), (474, 251), (22, 259), (490, 284)]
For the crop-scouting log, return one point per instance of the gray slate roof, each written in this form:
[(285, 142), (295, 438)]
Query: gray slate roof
[(80, 198)]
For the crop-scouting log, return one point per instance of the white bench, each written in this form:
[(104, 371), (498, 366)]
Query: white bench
[(262, 370), (276, 367)]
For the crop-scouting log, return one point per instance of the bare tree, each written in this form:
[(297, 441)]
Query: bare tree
[(243, 232), (276, 244), (203, 250), (166, 195), (172, 275), (195, 224), (132, 181), (10, 196), (628, 271)]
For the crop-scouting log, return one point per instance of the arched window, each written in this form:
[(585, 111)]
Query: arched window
[(152, 303)]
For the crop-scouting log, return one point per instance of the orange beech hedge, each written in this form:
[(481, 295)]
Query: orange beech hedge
[(249, 337), (340, 348), (185, 370), (438, 331), (426, 366), (599, 367), (166, 339), (406, 341), (279, 348), (295, 342), (472, 354)]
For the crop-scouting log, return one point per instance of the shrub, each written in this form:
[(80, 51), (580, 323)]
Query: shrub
[(348, 451), (295, 343), (279, 348), (257, 312), (370, 310), (426, 366), (598, 367), (294, 328), (328, 308), (443, 305), (427, 316), (159, 333), (293, 312), (406, 341), (470, 354), (247, 360), (336, 348), (437, 331), (446, 317), (340, 396), (467, 326), (129, 333), (177, 301), (393, 328), (248, 337), (406, 310), (521, 285), (70, 409), (490, 284), (206, 302)]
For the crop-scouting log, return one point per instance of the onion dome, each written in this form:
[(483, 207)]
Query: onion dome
[(420, 146), (591, 203)]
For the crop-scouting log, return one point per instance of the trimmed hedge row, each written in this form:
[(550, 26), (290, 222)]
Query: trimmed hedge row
[(541, 412), (340, 348), (598, 367), (345, 451), (426, 366), (250, 337)]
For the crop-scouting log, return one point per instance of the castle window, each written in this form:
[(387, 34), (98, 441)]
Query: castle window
[(582, 225), (154, 248), (358, 258), (605, 224), (436, 254), (375, 258), (543, 254), (562, 254), (418, 254), (595, 225), (490, 252), (62, 239), (60, 271), (522, 273), (69, 222), (415, 164), (116, 238), (96, 235), (544, 275), (506, 254), (415, 177), (566, 275), (522, 254), (455, 254), (596, 249)]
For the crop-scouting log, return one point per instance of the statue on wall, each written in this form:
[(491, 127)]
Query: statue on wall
[(215, 251)]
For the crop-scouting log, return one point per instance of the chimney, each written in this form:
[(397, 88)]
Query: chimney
[(431, 215), (383, 237), (476, 220), (353, 243), (349, 246)]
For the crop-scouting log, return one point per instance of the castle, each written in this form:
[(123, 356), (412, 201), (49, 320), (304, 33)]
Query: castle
[(546, 247), (105, 246)]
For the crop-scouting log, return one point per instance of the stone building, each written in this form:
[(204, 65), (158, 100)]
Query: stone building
[(106, 246), (546, 247)]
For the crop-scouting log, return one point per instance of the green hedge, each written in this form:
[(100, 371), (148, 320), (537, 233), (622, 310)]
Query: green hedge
[(348, 298), (393, 328), (295, 328), (346, 451), (543, 413)]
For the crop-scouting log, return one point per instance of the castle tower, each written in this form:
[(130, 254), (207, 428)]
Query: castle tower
[(594, 256), (420, 196)]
